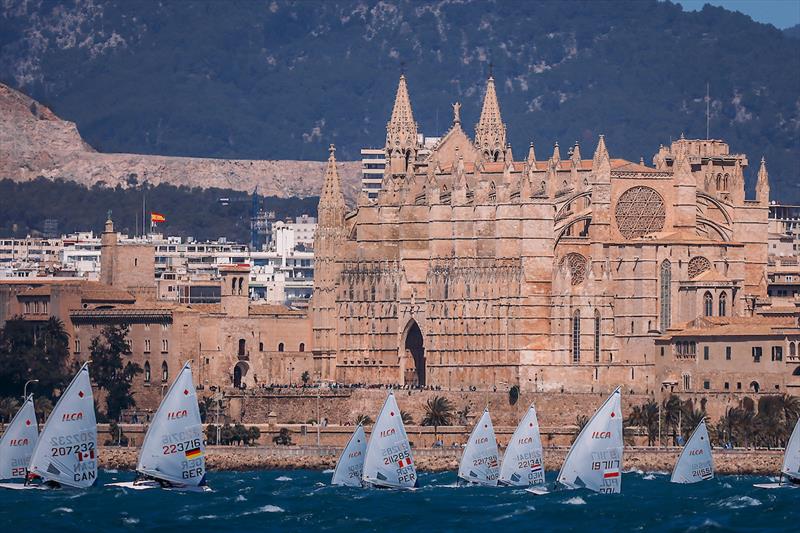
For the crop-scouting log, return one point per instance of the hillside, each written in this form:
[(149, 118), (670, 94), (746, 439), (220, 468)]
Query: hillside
[(37, 143), (275, 79)]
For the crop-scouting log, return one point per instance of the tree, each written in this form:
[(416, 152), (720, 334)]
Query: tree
[(8, 408), (283, 438), (110, 372), (364, 420), (463, 415), (254, 434), (34, 351), (673, 412), (407, 418), (305, 377), (580, 423), (438, 412)]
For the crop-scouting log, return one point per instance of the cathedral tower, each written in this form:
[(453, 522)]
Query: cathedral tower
[(331, 235)]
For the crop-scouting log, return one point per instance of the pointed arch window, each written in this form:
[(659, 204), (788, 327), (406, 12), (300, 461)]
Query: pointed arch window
[(576, 337), (708, 304), (666, 295), (723, 304), (596, 336), (164, 372), (147, 371)]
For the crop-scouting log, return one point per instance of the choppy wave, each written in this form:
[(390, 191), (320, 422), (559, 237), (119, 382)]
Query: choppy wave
[(283, 478), (739, 502), (575, 500)]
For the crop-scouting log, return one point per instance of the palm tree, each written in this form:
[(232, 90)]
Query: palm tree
[(580, 423), (438, 412), (364, 420), (646, 416), (791, 411), (43, 407), (463, 415), (691, 418), (407, 418), (8, 408), (673, 410)]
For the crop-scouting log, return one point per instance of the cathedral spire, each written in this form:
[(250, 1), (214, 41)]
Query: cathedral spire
[(556, 153), (762, 184), (401, 132), (331, 202), (531, 155), (490, 132), (601, 152)]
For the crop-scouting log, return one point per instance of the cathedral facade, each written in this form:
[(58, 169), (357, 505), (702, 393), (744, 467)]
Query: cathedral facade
[(473, 268)]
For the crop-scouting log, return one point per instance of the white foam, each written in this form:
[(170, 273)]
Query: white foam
[(241, 498), (649, 477), (207, 517), (283, 478), (62, 510), (130, 520), (265, 509), (577, 500), (328, 471), (739, 502)]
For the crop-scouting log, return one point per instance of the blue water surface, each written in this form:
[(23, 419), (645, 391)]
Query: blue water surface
[(302, 500)]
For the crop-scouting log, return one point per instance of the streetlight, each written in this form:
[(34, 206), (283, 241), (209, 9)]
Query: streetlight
[(25, 388)]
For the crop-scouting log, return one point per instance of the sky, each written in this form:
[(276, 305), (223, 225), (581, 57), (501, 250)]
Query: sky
[(780, 13)]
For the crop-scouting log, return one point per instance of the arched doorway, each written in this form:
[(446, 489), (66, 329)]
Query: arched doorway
[(239, 372), (414, 348)]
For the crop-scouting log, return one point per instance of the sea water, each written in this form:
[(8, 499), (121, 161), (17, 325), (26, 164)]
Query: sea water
[(303, 500)]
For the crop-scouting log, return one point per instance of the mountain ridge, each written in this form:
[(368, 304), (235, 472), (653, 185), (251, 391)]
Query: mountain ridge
[(281, 79)]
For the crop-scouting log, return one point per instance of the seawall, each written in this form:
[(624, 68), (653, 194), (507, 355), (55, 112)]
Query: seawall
[(759, 462)]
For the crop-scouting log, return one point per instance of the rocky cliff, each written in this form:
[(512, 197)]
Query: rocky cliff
[(35, 142)]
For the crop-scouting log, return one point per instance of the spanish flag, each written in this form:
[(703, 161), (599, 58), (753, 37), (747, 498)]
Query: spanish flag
[(156, 218)]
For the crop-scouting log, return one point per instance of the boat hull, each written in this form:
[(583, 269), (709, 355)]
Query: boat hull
[(772, 486), (147, 485), (20, 486), (538, 491)]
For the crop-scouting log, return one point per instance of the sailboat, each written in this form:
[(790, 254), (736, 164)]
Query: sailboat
[(791, 464), (18, 441), (350, 466), (389, 462), (173, 452), (695, 462), (595, 459), (480, 464), (66, 452), (523, 465)]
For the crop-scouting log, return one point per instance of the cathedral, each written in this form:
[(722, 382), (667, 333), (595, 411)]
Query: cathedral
[(476, 268)]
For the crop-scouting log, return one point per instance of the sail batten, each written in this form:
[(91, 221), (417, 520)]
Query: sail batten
[(174, 448), (479, 464), (66, 451), (350, 467), (695, 462), (389, 462), (18, 442), (595, 459), (523, 463)]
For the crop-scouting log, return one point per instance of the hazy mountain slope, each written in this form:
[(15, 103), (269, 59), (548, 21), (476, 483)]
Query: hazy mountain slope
[(280, 80)]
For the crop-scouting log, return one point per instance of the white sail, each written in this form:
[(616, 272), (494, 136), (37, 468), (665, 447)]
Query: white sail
[(389, 461), (595, 458), (67, 448), (18, 441), (173, 448), (523, 465), (350, 466), (480, 463), (791, 457), (695, 462)]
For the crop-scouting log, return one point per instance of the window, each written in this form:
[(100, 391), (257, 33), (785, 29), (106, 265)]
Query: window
[(164, 345), (280, 346), (727, 386), (708, 304), (723, 304), (687, 382), (666, 296), (706, 384), (576, 337), (777, 353), (164, 327), (147, 346), (727, 353), (597, 336), (77, 346), (242, 346), (147, 371), (738, 385), (792, 350), (164, 372), (302, 347), (260, 346), (756, 354), (705, 353)]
